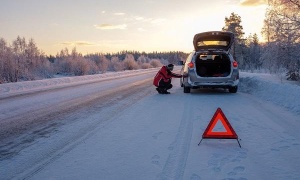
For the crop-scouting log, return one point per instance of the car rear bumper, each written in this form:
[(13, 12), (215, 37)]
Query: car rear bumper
[(212, 84), (194, 81)]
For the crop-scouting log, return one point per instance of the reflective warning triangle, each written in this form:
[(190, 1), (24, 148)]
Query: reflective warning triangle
[(229, 133)]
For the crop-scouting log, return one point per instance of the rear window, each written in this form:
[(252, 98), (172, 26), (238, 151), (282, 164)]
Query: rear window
[(212, 43)]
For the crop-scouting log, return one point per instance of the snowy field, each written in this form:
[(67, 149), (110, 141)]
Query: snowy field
[(145, 135)]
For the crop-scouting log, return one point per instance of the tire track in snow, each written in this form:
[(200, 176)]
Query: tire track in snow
[(175, 164), (119, 100)]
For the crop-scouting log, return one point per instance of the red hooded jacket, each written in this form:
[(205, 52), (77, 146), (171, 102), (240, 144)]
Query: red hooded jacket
[(164, 75)]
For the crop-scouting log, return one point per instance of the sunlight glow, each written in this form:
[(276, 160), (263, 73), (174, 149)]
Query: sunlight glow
[(171, 27)]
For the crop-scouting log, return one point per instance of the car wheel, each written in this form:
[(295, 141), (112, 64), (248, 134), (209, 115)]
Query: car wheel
[(186, 89), (233, 89)]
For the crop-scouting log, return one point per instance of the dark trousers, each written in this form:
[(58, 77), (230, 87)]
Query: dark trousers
[(164, 85)]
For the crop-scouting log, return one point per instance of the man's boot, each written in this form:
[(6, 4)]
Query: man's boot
[(159, 90), (164, 91)]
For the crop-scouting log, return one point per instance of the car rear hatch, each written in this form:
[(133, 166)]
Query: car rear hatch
[(213, 40)]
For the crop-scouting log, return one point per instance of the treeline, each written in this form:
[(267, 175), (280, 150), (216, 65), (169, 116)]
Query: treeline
[(22, 60)]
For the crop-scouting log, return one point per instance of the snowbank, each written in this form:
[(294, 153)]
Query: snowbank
[(45, 84), (271, 88)]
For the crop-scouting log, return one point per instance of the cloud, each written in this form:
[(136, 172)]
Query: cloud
[(78, 43), (141, 29), (110, 26), (253, 2), (139, 18), (158, 21), (119, 14)]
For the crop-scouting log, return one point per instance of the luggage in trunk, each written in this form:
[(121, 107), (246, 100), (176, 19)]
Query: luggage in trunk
[(213, 66)]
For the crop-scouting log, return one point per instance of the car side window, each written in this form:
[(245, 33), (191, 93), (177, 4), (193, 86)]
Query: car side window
[(188, 60)]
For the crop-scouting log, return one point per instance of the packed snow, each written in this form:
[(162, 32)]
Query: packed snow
[(157, 136), (10, 89)]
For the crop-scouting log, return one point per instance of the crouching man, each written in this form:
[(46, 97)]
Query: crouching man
[(163, 79)]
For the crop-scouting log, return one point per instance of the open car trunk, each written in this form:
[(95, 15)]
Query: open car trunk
[(213, 65)]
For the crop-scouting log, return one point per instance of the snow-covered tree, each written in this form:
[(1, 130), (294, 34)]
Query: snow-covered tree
[(7, 63), (233, 24), (129, 62), (253, 53), (103, 63), (22, 61), (116, 64), (74, 63), (155, 63), (282, 29)]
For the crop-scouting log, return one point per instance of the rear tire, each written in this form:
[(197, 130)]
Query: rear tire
[(233, 89), (186, 89)]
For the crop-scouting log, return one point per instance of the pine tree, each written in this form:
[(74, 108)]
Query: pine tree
[(233, 24)]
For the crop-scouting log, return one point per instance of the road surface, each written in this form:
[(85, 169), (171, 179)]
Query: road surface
[(122, 129)]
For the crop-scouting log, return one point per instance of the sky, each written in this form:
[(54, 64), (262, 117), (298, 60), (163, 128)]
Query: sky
[(110, 26)]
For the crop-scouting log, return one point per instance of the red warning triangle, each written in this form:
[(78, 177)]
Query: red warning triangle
[(229, 133)]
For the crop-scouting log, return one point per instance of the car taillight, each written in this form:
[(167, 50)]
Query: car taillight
[(191, 65), (235, 64)]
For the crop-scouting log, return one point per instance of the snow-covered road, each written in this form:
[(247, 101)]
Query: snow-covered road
[(122, 129), (20, 111)]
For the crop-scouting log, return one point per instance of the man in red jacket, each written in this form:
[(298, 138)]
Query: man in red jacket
[(163, 79)]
